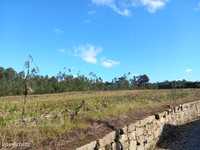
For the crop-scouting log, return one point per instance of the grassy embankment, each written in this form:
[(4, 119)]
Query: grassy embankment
[(46, 116)]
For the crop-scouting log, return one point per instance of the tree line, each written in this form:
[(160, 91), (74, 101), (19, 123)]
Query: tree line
[(12, 82)]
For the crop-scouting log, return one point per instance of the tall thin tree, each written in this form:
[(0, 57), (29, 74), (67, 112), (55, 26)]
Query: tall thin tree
[(30, 70)]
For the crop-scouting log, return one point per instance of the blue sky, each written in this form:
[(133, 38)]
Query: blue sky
[(110, 37)]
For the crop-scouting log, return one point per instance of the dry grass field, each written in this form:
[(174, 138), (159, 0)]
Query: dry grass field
[(54, 117)]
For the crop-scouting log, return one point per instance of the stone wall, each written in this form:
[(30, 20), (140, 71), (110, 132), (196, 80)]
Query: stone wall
[(144, 134)]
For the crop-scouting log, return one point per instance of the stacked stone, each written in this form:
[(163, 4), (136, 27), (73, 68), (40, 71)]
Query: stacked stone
[(144, 134)]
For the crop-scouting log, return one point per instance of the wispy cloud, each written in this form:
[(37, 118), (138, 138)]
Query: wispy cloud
[(103, 2), (123, 8), (88, 53), (188, 70), (122, 12), (86, 21), (197, 8), (91, 12), (61, 50), (109, 63), (58, 31), (113, 5), (153, 5)]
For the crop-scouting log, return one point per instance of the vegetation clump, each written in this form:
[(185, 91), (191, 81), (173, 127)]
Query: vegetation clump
[(12, 82)]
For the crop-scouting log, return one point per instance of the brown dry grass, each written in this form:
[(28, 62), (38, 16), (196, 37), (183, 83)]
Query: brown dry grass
[(45, 120)]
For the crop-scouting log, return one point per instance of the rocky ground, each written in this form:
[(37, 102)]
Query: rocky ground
[(186, 137)]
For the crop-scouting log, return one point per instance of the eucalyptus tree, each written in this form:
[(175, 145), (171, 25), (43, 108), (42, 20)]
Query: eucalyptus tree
[(30, 71)]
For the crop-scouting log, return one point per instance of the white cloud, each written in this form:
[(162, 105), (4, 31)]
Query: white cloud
[(123, 7), (153, 5), (108, 63), (122, 12), (188, 71), (58, 31), (113, 5), (88, 53)]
